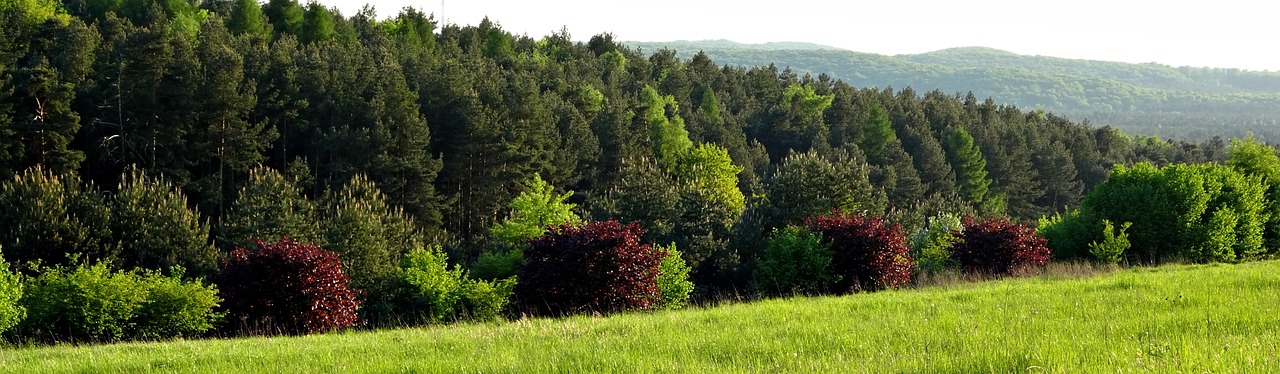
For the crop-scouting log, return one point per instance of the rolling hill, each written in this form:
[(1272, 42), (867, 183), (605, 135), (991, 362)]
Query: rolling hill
[(1179, 102)]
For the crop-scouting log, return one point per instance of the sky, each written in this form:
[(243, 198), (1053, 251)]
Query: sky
[(1223, 33)]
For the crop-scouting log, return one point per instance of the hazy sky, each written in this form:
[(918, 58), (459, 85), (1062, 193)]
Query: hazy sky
[(1223, 33)]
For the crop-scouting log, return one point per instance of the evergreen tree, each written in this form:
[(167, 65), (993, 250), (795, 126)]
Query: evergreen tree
[(969, 165), (247, 17), (285, 16), (46, 218), (156, 230), (268, 207)]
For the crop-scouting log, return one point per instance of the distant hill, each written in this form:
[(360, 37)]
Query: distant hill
[(1180, 102)]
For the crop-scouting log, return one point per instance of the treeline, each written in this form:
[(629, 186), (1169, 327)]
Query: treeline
[(148, 135), (1182, 102)]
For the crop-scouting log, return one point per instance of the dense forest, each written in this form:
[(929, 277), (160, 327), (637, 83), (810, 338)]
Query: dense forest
[(235, 140), (449, 123), (1180, 102)]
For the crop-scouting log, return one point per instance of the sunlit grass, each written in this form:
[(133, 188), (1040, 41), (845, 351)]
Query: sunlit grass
[(1207, 318)]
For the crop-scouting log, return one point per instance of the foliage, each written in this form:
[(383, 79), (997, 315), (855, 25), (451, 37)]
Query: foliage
[(369, 235), (1252, 157), (997, 247), (532, 211), (286, 287), (866, 254), (1203, 212), (1068, 233), (969, 164), (92, 303), (795, 262), (666, 130), (1114, 242), (271, 208), (11, 310), (931, 245), (156, 230), (600, 267), (44, 218), (497, 265), (673, 279), (440, 294)]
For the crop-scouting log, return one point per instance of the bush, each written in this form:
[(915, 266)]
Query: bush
[(795, 262), (866, 254), (601, 267), (931, 245), (999, 247), (673, 279), (11, 312), (438, 293), (492, 266), (286, 287), (1069, 234), (1114, 242), (92, 303)]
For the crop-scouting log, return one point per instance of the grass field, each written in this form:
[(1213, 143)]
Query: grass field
[(1208, 318)]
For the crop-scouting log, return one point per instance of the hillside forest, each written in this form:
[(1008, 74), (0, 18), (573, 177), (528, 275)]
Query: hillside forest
[(1189, 103), (160, 144)]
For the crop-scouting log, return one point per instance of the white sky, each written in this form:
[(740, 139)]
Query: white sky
[(1223, 33)]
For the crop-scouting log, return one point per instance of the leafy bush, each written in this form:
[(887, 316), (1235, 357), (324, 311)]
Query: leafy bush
[(287, 287), (482, 300), (11, 311), (866, 254), (601, 267), (673, 279), (93, 303), (998, 247), (1069, 234), (536, 208), (1114, 242), (931, 245), (439, 293), (435, 287), (493, 266), (795, 262)]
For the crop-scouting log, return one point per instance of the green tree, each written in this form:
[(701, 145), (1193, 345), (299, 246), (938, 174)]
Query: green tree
[(369, 234), (156, 230), (45, 218), (317, 24), (532, 212), (666, 129), (268, 207), (247, 18), (969, 165), (285, 16)]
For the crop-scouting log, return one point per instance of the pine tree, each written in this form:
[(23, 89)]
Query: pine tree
[(268, 207), (969, 165), (155, 228)]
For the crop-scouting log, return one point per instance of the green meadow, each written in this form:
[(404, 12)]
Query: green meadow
[(1178, 318)]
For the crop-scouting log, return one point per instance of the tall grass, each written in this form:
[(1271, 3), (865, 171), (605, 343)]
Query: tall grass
[(1201, 318)]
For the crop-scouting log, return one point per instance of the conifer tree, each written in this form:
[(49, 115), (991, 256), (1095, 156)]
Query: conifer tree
[(969, 165), (155, 228), (268, 207)]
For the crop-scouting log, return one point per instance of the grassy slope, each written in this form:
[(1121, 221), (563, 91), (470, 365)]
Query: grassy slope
[(1181, 318)]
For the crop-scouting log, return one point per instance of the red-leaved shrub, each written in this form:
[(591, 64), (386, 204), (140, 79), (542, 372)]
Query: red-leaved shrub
[(998, 247), (601, 267), (866, 254), (287, 287)]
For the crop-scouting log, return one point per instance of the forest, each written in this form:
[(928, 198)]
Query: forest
[(1189, 103), (170, 147)]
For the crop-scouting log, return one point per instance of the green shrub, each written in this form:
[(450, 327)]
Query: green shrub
[(795, 262), (439, 293), (1114, 242), (11, 312), (93, 303), (931, 245), (175, 308), (435, 287), (493, 266), (674, 286), (482, 300)]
